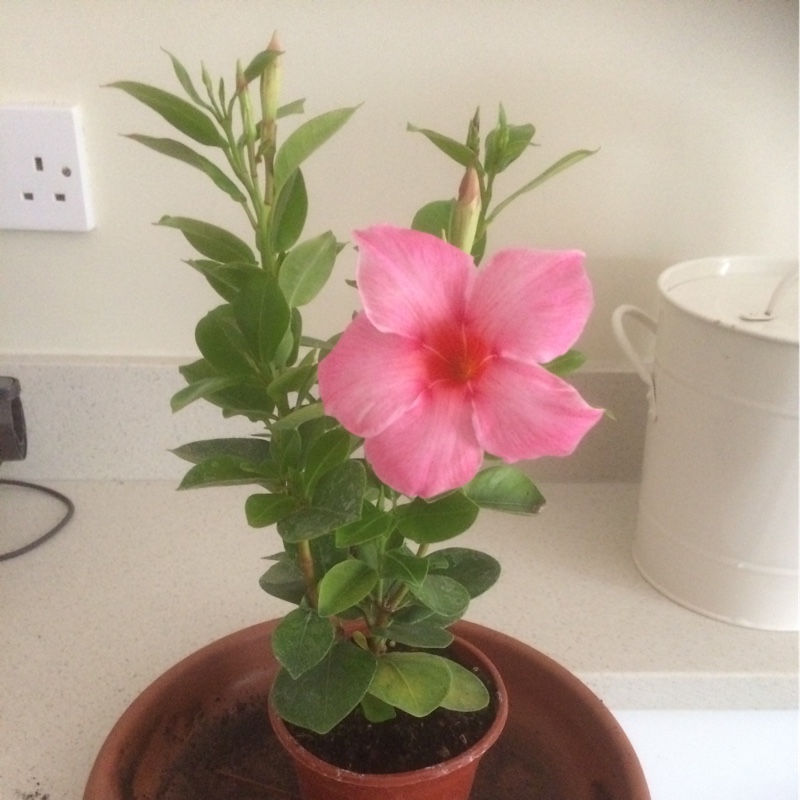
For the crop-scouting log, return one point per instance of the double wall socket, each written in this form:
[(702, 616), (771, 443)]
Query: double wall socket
[(43, 175)]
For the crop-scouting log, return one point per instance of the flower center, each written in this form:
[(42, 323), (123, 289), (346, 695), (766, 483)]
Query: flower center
[(455, 356)]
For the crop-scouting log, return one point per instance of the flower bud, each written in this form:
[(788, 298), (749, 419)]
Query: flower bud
[(466, 212), (243, 96), (271, 84)]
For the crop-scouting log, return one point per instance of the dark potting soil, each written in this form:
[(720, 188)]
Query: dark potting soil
[(236, 756), (401, 744)]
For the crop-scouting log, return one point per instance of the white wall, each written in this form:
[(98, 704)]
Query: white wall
[(692, 102)]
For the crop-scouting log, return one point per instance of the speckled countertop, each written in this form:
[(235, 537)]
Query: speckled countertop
[(143, 575)]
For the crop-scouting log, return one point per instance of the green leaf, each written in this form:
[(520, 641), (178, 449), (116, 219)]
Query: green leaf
[(307, 267), (563, 163), (179, 151), (246, 449), (289, 214), (345, 585), (420, 634), (329, 691), (299, 416), (414, 682), (504, 146), (472, 569), (294, 379), (284, 581), (337, 500), (197, 390), (428, 522), (259, 63), (434, 218), (176, 111), (225, 279), (376, 710), (330, 449), (467, 691), (301, 640), (372, 525), (303, 141), (263, 510), (185, 80), (295, 107), (222, 344), (405, 567), (219, 471), (262, 315), (443, 595), (211, 241), (243, 398), (505, 488), (565, 364), (450, 147)]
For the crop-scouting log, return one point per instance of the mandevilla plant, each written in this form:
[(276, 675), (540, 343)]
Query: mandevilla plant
[(371, 445)]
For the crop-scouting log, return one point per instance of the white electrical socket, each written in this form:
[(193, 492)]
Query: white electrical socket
[(43, 176)]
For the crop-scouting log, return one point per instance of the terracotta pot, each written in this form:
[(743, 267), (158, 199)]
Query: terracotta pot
[(559, 742), (451, 779)]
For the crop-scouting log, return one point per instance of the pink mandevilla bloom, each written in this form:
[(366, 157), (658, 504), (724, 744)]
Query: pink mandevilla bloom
[(444, 361)]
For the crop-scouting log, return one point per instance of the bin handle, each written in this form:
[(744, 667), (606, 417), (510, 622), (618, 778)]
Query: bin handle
[(644, 372)]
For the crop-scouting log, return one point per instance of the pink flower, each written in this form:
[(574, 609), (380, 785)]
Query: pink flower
[(444, 361)]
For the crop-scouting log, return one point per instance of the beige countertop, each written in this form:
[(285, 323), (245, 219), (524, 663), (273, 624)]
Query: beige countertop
[(143, 575)]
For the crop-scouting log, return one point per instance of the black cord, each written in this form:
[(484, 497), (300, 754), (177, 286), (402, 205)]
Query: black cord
[(70, 506)]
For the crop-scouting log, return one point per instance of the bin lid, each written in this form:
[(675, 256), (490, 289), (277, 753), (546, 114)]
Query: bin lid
[(754, 295)]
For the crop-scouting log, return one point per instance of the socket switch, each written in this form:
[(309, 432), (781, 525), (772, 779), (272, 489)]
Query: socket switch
[(43, 175)]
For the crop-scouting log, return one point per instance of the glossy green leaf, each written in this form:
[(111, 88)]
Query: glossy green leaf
[(472, 569), (414, 682), (376, 710), (301, 640), (244, 399), (329, 450), (225, 279), (222, 344), (443, 595), (505, 488), (247, 449), (434, 218), (293, 379), (307, 267), (185, 81), (284, 581), (372, 525), (179, 113), (420, 634), (262, 315), (181, 152), (450, 147), (219, 471), (299, 416), (565, 364), (263, 510), (399, 565), (198, 390), (336, 501), (467, 691), (563, 163), (428, 522), (329, 691), (345, 585), (259, 63), (289, 214), (211, 241), (304, 140)]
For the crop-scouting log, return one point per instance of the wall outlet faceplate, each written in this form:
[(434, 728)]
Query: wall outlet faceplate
[(43, 175)]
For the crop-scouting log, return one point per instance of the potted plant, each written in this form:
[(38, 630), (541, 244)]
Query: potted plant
[(376, 448)]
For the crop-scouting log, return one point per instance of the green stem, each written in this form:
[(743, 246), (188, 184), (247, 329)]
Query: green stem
[(306, 563)]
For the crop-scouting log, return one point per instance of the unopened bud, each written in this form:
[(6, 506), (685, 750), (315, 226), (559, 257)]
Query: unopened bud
[(271, 82), (243, 96), (466, 212)]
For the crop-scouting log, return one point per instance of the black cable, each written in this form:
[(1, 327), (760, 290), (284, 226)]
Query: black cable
[(70, 506)]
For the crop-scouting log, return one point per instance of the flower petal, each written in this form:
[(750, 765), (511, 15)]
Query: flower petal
[(370, 378), (410, 281), (524, 411), (430, 449), (531, 304)]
